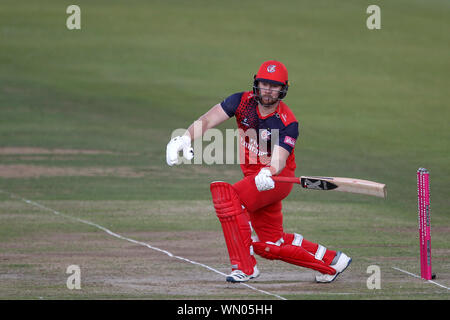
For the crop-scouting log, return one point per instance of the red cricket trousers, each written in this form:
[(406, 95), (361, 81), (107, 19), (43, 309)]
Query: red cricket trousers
[(264, 209)]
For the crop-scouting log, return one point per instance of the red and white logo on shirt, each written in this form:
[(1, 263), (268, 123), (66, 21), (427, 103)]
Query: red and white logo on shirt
[(289, 141), (265, 134)]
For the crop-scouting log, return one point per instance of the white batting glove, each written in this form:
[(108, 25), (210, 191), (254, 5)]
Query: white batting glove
[(264, 181), (175, 146)]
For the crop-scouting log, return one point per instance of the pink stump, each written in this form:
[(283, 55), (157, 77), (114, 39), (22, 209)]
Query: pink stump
[(423, 201)]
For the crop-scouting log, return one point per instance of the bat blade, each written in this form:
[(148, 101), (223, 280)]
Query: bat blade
[(351, 185)]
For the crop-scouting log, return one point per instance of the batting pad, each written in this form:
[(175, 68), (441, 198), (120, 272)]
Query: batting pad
[(293, 254), (235, 226)]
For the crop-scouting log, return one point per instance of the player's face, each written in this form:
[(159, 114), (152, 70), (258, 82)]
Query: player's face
[(269, 93)]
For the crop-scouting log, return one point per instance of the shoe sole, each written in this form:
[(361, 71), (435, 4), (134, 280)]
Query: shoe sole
[(232, 280), (337, 274)]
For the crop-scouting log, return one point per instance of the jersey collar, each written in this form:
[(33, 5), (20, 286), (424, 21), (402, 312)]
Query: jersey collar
[(277, 110)]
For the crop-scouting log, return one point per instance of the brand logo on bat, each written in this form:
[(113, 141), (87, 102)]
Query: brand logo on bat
[(317, 184), (313, 184)]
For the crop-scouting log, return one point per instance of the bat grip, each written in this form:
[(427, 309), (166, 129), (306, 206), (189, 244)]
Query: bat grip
[(286, 179)]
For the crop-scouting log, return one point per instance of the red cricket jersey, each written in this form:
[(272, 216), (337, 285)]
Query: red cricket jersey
[(258, 134)]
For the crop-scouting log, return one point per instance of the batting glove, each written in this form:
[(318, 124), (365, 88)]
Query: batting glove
[(264, 181), (175, 146)]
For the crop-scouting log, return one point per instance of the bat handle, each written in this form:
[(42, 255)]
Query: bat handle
[(286, 179)]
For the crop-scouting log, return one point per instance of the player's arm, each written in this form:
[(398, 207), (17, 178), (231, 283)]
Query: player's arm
[(263, 180), (280, 155), (215, 116), (278, 160)]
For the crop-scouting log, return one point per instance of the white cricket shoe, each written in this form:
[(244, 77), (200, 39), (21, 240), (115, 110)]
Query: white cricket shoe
[(239, 276), (343, 261)]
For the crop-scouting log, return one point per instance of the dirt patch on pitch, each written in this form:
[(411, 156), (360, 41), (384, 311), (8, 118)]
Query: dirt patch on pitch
[(174, 265), (34, 171), (160, 265), (35, 150), (112, 267), (15, 169)]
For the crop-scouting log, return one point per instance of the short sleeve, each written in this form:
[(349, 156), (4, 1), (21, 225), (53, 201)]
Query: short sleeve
[(289, 136), (231, 103)]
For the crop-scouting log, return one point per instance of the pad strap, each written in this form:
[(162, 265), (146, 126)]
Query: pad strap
[(320, 252)]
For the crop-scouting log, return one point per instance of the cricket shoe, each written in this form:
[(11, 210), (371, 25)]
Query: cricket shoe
[(239, 276), (339, 263)]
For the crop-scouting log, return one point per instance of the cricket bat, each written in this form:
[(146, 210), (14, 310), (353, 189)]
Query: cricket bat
[(337, 184)]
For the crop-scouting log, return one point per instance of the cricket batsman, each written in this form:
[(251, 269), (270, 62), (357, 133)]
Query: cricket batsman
[(268, 134)]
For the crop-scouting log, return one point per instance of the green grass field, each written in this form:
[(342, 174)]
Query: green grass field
[(85, 116)]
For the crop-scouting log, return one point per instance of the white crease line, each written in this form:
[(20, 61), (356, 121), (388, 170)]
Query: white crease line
[(416, 276), (136, 242)]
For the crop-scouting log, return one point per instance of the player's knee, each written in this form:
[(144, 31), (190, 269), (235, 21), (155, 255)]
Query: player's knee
[(268, 250), (262, 250), (220, 191), (225, 199), (273, 250)]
